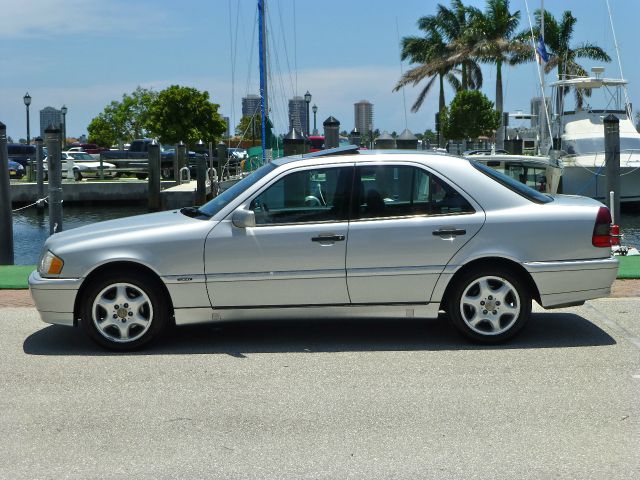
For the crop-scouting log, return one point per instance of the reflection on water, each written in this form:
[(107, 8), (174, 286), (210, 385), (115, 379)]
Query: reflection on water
[(30, 230), (630, 227)]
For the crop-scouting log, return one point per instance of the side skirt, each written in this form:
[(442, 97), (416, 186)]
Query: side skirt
[(191, 316)]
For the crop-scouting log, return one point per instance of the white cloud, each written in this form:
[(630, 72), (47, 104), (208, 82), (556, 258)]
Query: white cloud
[(46, 18)]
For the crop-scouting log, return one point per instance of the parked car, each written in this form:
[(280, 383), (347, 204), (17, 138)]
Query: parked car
[(15, 170), (21, 153), (90, 148), (335, 233), (84, 165)]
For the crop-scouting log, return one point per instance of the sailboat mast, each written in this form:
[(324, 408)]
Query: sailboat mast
[(264, 103), (543, 110)]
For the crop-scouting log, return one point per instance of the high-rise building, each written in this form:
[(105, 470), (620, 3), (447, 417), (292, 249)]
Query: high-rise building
[(227, 120), (537, 111), (49, 116), (298, 114), (250, 105), (363, 113)]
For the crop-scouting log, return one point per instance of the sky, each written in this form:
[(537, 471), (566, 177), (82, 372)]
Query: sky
[(86, 53)]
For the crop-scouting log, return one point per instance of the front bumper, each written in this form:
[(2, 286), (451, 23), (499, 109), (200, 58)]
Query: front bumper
[(570, 282), (54, 297)]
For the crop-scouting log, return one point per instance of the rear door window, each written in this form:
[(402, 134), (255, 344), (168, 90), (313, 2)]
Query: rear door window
[(383, 191)]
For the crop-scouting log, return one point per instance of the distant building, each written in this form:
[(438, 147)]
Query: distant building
[(49, 116), (227, 120), (298, 114), (250, 105), (363, 113), (537, 110)]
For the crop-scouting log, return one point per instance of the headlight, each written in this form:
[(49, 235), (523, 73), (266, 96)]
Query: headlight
[(50, 264)]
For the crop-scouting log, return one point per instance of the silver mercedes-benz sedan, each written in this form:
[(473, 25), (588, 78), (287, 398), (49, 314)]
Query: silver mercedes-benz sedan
[(336, 233)]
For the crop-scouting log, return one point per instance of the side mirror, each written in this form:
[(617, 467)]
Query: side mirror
[(244, 218)]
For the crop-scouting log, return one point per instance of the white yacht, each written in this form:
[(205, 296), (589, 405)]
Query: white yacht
[(581, 133)]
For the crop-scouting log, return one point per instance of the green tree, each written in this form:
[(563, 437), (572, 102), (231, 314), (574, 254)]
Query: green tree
[(470, 115), (562, 56), (124, 120), (441, 54), (247, 129), (494, 37), (185, 114)]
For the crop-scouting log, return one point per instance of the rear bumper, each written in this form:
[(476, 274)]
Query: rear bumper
[(54, 298), (570, 282)]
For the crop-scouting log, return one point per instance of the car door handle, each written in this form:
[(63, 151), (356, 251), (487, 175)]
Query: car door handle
[(449, 232), (328, 238)]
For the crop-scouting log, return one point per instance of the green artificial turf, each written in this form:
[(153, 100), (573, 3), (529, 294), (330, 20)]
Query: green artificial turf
[(629, 267), (15, 276)]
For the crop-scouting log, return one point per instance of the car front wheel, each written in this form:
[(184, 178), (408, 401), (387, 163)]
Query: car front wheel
[(124, 312), (489, 306)]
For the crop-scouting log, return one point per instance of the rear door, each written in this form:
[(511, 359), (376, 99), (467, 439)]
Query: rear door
[(407, 224)]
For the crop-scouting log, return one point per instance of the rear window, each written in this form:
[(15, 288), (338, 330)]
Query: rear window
[(512, 184)]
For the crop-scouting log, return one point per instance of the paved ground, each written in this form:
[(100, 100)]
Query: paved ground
[(326, 400)]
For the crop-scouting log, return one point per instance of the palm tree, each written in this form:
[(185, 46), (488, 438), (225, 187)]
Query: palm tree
[(562, 57), (493, 38), (444, 33)]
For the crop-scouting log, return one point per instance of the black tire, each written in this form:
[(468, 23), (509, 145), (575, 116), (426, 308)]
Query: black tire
[(130, 304), (141, 176), (77, 176), (489, 305)]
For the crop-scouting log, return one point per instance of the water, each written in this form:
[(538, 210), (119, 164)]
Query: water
[(30, 230)]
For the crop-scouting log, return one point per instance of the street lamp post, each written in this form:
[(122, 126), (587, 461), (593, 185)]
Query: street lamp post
[(64, 126), (315, 111), (307, 98), (27, 102)]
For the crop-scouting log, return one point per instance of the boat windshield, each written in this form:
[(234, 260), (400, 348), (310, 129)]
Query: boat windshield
[(222, 200), (583, 146)]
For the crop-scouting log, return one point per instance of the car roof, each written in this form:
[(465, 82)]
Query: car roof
[(351, 153)]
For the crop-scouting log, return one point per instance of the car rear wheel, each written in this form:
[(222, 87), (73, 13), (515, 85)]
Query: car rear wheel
[(124, 312), (489, 306), (77, 176)]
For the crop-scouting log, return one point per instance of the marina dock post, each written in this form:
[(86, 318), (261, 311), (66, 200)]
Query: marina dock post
[(201, 174), (612, 161), (221, 151), (40, 174), (154, 176), (6, 215), (52, 139), (181, 155)]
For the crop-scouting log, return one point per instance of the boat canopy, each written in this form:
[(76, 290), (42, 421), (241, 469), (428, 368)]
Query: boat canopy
[(590, 82)]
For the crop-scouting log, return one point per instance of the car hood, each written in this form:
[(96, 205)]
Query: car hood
[(122, 230)]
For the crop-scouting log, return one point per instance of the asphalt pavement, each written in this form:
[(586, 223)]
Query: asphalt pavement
[(326, 400)]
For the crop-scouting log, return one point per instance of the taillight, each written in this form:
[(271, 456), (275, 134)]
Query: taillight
[(602, 229)]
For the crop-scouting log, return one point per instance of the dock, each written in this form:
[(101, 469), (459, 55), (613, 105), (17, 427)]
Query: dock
[(107, 191)]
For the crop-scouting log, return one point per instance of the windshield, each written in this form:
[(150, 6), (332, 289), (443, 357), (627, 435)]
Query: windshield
[(81, 156), (512, 184), (596, 145), (222, 200)]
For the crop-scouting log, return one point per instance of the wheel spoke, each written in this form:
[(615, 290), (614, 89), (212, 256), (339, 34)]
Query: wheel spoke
[(138, 319), (485, 288), (124, 330)]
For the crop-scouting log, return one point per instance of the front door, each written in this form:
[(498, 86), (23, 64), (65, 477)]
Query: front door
[(295, 255), (408, 223)]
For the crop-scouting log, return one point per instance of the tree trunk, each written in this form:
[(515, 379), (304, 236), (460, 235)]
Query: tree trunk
[(499, 86), (465, 80), (441, 103)]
